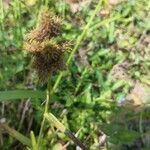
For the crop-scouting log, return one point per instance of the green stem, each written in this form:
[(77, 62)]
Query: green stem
[(78, 42), (104, 22), (45, 111), (57, 82), (83, 34)]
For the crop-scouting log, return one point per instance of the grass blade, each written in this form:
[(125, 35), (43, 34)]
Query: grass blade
[(19, 94), (17, 135), (55, 122), (34, 143)]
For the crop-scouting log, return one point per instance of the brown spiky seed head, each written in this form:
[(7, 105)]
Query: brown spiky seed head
[(49, 23), (48, 55), (47, 47), (45, 67), (48, 59), (48, 26)]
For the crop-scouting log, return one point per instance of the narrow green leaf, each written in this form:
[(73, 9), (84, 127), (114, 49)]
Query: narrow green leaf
[(33, 140), (17, 135), (20, 94), (52, 119)]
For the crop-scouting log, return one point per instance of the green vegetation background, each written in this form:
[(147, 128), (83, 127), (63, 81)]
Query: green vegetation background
[(86, 100)]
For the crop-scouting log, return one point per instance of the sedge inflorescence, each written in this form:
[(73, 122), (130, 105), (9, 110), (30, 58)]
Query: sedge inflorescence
[(48, 54)]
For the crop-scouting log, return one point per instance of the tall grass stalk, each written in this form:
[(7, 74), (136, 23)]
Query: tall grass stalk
[(45, 111), (78, 42)]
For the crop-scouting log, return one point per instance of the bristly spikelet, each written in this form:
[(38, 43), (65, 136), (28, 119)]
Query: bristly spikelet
[(48, 26), (48, 55), (45, 67)]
